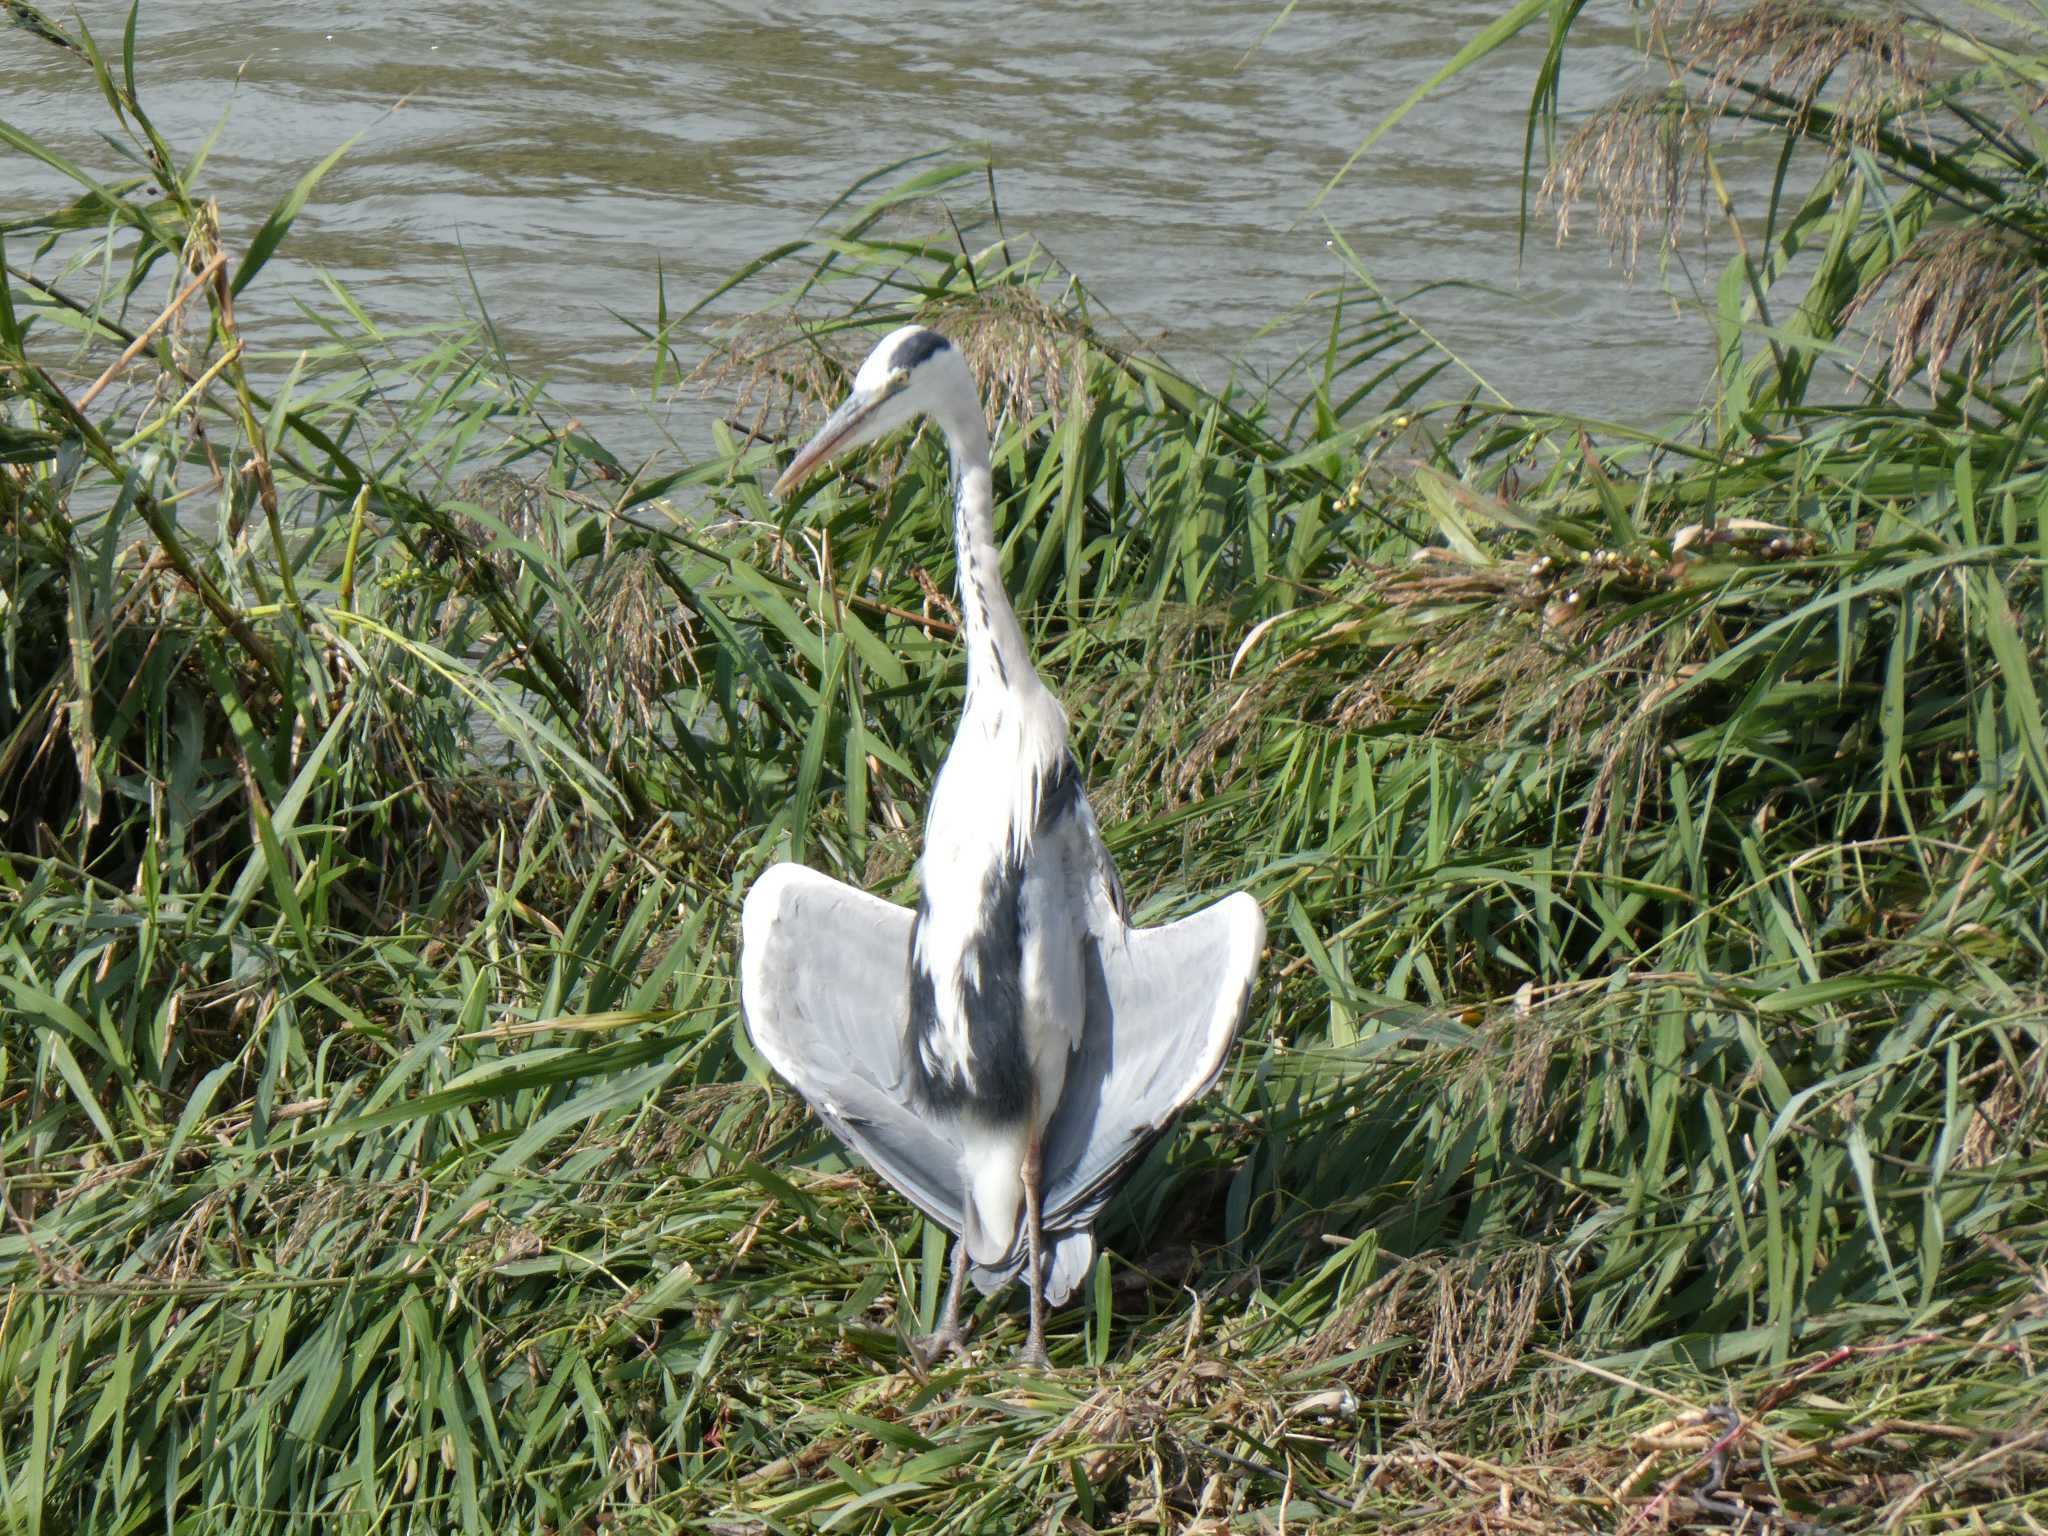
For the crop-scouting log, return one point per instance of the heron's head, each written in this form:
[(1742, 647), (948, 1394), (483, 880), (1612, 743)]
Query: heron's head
[(911, 371)]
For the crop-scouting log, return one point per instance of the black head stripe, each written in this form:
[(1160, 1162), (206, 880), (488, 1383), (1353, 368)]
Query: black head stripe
[(915, 348)]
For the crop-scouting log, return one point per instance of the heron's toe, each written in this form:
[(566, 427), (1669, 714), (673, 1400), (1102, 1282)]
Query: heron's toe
[(940, 1341), (1032, 1357)]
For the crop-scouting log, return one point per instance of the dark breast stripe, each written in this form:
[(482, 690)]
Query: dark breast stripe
[(995, 1002)]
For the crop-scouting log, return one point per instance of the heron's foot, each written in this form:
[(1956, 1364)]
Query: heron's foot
[(948, 1340), (1032, 1357)]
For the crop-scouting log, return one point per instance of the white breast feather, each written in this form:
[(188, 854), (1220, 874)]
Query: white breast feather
[(984, 807)]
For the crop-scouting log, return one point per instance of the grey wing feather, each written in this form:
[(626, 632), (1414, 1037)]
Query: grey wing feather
[(1164, 1006), (824, 986)]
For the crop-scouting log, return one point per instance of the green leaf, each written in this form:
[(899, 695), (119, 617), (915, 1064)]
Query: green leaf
[(263, 245)]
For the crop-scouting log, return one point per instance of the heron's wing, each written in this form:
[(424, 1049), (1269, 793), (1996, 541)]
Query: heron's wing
[(824, 986), (1164, 1005)]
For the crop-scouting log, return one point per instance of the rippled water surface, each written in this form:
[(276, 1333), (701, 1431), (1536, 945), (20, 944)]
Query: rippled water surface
[(1165, 152)]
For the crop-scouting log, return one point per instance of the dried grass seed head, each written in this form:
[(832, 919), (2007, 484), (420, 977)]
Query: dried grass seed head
[(1795, 50), (1473, 1315), (513, 499), (1024, 352), (780, 377), (1953, 294), (1644, 158), (647, 637)]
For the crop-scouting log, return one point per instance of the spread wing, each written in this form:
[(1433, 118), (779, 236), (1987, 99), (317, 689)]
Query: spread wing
[(824, 987), (1164, 1005)]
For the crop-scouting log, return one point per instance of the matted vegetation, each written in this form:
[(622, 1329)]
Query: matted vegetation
[(1641, 1122)]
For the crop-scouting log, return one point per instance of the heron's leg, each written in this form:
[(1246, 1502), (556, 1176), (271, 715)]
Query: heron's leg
[(949, 1335), (1032, 1356)]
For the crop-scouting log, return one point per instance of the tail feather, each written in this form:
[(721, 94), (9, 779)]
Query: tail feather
[(992, 1163), (1067, 1266), (1071, 1256)]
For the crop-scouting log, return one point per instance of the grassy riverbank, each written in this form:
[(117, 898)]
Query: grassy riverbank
[(1642, 1113)]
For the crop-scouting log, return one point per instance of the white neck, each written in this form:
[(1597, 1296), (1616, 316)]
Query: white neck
[(997, 656)]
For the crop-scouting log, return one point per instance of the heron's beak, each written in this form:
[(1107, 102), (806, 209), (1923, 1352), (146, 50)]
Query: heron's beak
[(840, 432)]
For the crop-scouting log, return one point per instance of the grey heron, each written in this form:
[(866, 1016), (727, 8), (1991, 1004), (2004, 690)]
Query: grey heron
[(1007, 1053)]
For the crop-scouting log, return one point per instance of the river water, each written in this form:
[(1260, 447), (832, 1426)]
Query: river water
[(1168, 154)]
